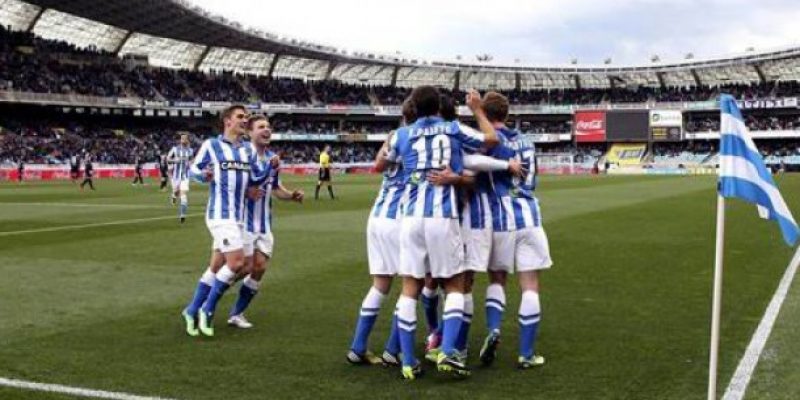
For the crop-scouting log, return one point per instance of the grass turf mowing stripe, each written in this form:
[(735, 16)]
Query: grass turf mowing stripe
[(741, 378), (74, 391), (91, 205), (84, 226)]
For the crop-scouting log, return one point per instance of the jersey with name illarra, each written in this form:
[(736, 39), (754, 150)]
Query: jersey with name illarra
[(432, 144), (180, 157), (513, 204), (258, 213), (235, 168), (389, 202)]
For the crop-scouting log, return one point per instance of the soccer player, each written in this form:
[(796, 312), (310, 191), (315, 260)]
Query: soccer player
[(163, 169), (74, 168), (324, 172), (518, 242), (20, 170), (88, 171), (180, 157), (229, 166), (137, 170), (383, 229), (430, 237), (258, 239), (476, 229)]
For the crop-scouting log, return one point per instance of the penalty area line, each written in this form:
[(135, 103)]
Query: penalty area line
[(94, 225), (747, 365), (74, 391)]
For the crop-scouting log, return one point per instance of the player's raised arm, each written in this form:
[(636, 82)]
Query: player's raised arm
[(387, 153), (197, 170), (476, 106)]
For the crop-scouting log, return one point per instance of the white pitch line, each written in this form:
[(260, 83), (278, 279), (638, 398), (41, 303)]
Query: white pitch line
[(747, 365), (89, 205), (83, 226), (75, 391)]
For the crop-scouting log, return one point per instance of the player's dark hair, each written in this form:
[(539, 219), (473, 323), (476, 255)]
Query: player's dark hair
[(426, 100), (447, 108), (255, 118), (228, 112), (495, 105), (409, 111)]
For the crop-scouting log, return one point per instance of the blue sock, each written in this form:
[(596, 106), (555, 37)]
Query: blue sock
[(495, 306), (201, 292), (222, 282), (246, 293), (529, 317), (466, 322), (430, 304), (451, 322), (366, 320), (393, 343), (407, 329)]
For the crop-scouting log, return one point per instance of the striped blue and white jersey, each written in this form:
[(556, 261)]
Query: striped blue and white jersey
[(258, 213), (431, 144), (180, 157), (513, 204), (235, 168), (389, 203), (477, 213)]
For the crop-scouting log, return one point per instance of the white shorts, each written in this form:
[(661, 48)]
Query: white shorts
[(383, 240), (227, 236), (477, 248), (526, 249), (263, 242), (180, 184), (430, 245)]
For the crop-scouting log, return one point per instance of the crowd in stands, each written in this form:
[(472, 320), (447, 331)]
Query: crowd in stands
[(32, 64), (753, 122)]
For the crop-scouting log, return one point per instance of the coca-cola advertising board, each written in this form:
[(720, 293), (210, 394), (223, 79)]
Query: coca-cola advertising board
[(590, 126)]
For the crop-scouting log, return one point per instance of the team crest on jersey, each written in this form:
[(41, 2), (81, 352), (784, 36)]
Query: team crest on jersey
[(234, 165)]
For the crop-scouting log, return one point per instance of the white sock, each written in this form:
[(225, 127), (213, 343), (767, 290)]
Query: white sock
[(251, 283), (428, 292), (496, 292), (184, 200), (226, 275), (469, 307), (407, 312), (208, 277), (530, 306), (453, 303), (372, 302)]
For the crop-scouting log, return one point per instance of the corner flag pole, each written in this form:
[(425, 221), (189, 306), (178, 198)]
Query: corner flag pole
[(717, 302)]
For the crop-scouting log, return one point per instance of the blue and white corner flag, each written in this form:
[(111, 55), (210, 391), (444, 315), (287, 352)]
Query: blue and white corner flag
[(743, 173)]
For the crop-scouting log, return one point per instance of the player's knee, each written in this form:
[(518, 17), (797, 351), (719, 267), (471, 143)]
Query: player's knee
[(529, 281), (498, 277), (382, 283)]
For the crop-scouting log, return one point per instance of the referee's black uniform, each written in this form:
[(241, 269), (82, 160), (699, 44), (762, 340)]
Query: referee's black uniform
[(138, 171), (163, 168), (88, 173)]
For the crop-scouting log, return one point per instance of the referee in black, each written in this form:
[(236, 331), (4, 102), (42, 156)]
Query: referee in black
[(137, 170), (324, 172), (163, 169), (88, 172)]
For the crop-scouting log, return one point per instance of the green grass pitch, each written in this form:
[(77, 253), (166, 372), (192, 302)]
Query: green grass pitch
[(625, 307)]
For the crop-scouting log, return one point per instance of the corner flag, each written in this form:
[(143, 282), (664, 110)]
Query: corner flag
[(743, 173)]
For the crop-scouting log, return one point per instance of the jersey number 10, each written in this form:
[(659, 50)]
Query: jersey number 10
[(439, 155)]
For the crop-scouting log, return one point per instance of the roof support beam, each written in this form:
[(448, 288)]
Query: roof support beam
[(272, 65), (517, 82), (329, 71), (696, 76), (661, 82), (760, 73), (202, 57), (35, 19), (457, 80), (577, 81), (395, 71), (122, 42)]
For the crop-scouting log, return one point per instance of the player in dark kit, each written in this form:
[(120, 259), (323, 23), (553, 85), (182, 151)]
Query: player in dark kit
[(88, 172), (138, 171), (20, 170), (163, 169), (74, 168)]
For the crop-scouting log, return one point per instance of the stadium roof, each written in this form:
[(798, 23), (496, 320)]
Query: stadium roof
[(177, 34)]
